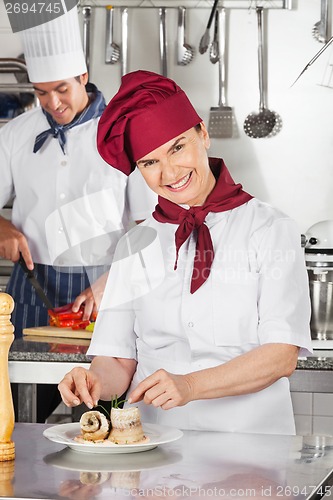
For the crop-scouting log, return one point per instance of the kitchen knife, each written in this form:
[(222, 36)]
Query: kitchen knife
[(33, 281)]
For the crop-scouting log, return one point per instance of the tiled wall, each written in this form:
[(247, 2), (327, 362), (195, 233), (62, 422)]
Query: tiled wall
[(313, 413)]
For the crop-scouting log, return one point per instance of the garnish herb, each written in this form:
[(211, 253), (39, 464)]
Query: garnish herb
[(114, 404)]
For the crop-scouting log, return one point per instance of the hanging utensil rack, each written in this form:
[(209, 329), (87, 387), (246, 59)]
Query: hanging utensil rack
[(191, 4)]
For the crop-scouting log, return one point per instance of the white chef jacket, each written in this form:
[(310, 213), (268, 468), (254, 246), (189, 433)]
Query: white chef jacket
[(257, 293), (72, 208)]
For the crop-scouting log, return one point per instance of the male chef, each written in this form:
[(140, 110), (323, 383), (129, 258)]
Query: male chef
[(69, 207)]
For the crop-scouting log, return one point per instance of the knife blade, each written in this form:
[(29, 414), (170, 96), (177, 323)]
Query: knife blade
[(35, 284)]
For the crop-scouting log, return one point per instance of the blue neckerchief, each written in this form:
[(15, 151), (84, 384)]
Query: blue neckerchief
[(95, 109)]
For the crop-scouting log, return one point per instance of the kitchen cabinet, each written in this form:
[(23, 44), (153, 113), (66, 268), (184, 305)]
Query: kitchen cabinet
[(312, 393)]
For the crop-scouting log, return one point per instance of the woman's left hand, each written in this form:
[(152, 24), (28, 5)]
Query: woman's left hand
[(163, 389)]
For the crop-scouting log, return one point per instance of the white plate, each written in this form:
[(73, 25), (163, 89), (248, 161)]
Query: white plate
[(157, 434)]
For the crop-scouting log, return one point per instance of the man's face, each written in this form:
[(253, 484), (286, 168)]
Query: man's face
[(63, 99)]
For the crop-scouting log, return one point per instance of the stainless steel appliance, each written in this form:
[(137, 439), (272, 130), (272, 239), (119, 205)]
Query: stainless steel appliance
[(319, 263)]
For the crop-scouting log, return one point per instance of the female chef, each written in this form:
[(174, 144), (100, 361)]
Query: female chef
[(212, 327)]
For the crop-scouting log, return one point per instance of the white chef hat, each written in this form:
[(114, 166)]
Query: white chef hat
[(53, 50)]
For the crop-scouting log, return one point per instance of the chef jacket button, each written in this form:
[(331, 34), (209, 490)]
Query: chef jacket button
[(190, 324), (62, 196), (61, 229), (63, 163)]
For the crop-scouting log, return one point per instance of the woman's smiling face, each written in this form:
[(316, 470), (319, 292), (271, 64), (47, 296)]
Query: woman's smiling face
[(179, 169)]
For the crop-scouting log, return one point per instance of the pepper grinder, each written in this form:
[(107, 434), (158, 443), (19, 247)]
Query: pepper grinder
[(7, 416)]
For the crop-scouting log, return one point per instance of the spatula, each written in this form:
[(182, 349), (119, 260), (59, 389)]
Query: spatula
[(220, 123)]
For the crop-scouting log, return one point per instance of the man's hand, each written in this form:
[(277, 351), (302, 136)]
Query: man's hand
[(163, 389), (80, 386), (13, 242), (91, 297)]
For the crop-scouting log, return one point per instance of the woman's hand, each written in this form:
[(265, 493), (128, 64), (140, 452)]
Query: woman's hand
[(91, 297), (105, 378), (163, 389), (247, 373), (75, 490), (80, 386)]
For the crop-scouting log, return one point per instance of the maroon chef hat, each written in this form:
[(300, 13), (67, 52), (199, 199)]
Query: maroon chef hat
[(147, 111)]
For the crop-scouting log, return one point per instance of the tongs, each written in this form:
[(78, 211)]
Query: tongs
[(205, 39), (33, 281), (314, 58)]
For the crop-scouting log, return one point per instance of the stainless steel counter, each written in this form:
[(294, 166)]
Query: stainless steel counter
[(199, 465)]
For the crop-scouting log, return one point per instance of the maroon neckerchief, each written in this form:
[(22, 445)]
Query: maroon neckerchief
[(226, 195)]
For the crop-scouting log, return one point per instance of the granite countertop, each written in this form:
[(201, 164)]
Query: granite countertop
[(53, 349), (69, 350), (320, 360)]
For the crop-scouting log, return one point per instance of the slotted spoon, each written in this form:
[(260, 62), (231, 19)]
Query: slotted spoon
[(261, 124)]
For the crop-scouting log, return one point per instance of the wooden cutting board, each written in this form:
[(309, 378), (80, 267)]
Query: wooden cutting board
[(53, 331), (61, 341)]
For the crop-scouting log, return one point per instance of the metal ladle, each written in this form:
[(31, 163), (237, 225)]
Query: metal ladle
[(261, 124)]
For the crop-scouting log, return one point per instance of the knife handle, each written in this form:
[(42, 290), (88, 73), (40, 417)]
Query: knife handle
[(22, 263)]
